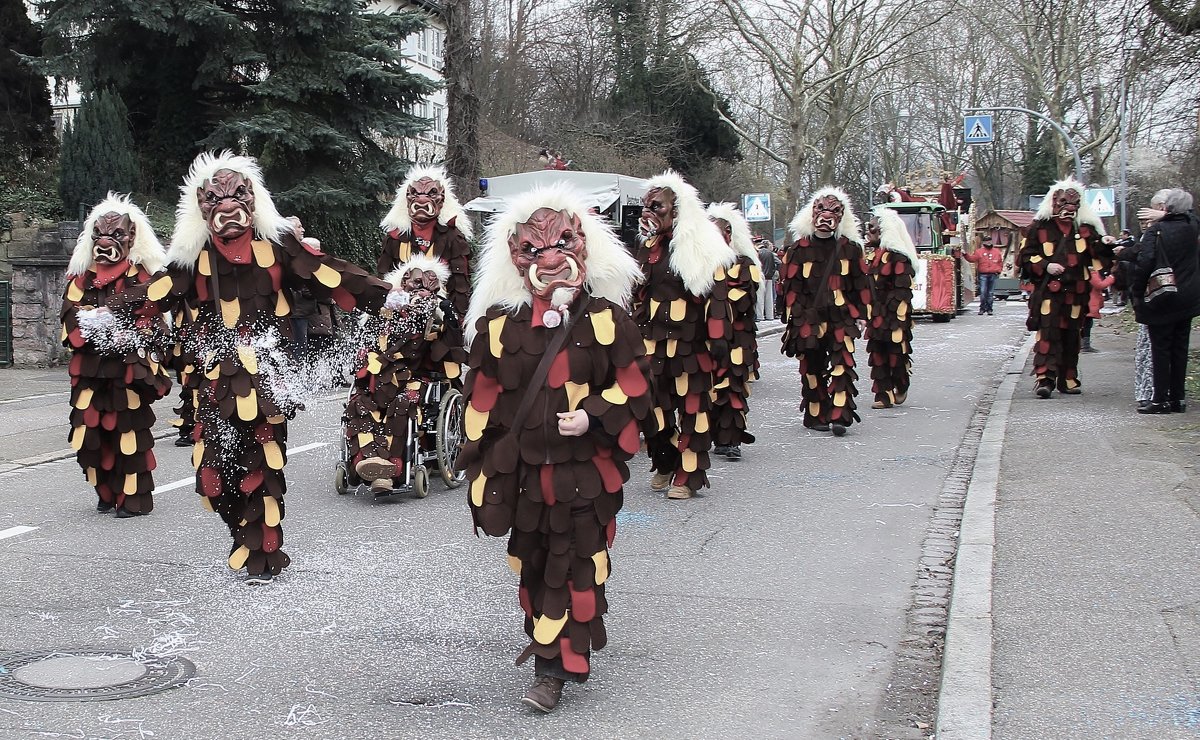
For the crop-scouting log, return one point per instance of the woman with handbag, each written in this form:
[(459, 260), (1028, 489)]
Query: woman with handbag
[(1166, 289)]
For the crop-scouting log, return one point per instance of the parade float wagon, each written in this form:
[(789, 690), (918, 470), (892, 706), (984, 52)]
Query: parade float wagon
[(937, 287)]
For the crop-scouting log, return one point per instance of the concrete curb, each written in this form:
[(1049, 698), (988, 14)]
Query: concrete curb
[(777, 328), (965, 694)]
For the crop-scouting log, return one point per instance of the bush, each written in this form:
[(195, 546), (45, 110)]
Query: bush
[(33, 193)]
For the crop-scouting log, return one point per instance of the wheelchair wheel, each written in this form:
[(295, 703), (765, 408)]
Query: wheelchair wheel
[(421, 481), (341, 481), (450, 437)]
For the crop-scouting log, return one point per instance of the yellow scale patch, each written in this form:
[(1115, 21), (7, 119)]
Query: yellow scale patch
[(601, 561), (838, 370), (249, 359), (576, 392), (197, 453), (702, 422), (839, 399), (328, 276), (807, 269), (247, 406), (1080, 245), (681, 385), (271, 513), (604, 327), (1075, 310), (238, 559), (282, 307), (1047, 249), (755, 274), (902, 310), (897, 335), (474, 422), (514, 563), (404, 252), (737, 355), (616, 396), (844, 267), (649, 345), (74, 292), (130, 485), (264, 254), (838, 298), (206, 502), (1045, 307), (495, 326), (849, 345), (546, 630), (132, 400), (672, 347), (452, 370), (678, 309), (203, 265), (159, 288), (736, 294), (85, 398), (477, 487), (814, 408), (128, 443), (91, 476), (230, 311), (689, 461), (273, 455)]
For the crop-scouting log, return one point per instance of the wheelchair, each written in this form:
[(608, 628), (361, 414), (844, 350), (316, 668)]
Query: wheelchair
[(434, 439)]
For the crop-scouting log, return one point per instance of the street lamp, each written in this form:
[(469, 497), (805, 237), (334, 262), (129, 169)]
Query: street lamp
[(1129, 53)]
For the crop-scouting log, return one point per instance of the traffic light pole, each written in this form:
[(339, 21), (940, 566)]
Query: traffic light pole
[(1035, 114)]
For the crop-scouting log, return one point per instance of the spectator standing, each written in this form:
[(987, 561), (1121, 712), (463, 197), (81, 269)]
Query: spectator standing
[(989, 263), (770, 270), (1171, 241)]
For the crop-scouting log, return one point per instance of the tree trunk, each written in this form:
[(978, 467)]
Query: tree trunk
[(462, 103)]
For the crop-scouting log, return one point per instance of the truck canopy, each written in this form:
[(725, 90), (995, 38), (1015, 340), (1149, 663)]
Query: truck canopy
[(600, 190)]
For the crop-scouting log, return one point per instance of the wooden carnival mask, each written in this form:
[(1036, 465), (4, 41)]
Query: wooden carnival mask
[(1066, 203), (420, 283), (425, 199), (873, 234), (658, 212), (227, 202), (550, 252), (827, 215), (112, 238), (725, 228)]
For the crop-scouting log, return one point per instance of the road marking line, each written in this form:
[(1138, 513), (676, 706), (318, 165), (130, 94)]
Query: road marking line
[(191, 479), (65, 396), (14, 531)]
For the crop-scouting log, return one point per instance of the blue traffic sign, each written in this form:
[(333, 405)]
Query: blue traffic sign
[(1102, 201), (757, 206), (977, 129)]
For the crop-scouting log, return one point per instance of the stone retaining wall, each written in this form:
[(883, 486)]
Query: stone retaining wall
[(37, 290)]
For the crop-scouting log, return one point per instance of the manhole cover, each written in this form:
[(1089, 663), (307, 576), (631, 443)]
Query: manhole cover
[(88, 674)]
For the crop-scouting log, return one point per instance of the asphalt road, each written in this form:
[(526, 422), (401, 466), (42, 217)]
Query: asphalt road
[(771, 605)]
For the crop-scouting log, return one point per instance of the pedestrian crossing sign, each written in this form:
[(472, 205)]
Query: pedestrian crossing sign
[(977, 129), (756, 206), (1101, 200)]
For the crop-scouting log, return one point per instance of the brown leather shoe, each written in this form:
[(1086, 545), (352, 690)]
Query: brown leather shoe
[(544, 694), (899, 398), (381, 486), (679, 493), (374, 468), (660, 481)]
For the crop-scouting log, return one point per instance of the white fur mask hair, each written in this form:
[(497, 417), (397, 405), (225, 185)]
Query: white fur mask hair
[(191, 230), (1085, 214), (697, 247), (398, 217), (145, 250), (802, 223), (611, 271), (423, 263), (739, 238), (893, 235)]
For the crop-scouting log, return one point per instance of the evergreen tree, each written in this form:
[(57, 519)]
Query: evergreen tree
[(97, 154), (314, 88), (25, 124), (1040, 169)]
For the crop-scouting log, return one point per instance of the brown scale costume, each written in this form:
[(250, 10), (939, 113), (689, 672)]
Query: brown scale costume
[(889, 334), (414, 345), (237, 292), (682, 309), (116, 372), (1065, 232), (731, 390), (426, 218), (826, 291), (558, 493)]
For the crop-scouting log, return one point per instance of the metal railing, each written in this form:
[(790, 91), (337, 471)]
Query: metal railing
[(6, 344)]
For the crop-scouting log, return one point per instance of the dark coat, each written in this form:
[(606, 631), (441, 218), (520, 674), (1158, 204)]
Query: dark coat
[(1179, 236)]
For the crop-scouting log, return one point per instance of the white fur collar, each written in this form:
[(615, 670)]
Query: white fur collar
[(399, 219), (697, 249), (425, 263), (146, 250), (1085, 215), (740, 237), (802, 225), (191, 230), (893, 235), (611, 271)]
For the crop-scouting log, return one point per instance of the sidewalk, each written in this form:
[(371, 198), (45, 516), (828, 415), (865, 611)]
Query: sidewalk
[(1094, 601)]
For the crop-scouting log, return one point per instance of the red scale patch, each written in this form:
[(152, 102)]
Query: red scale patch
[(571, 660), (271, 537), (628, 439), (609, 475), (560, 370), (546, 473), (583, 604), (484, 393), (252, 481), (109, 420), (632, 381), (210, 482)]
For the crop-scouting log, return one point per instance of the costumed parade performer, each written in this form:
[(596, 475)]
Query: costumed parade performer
[(116, 364), (1063, 244), (744, 280), (556, 394), (426, 218), (889, 333), (237, 289), (826, 293), (417, 341), (683, 311)]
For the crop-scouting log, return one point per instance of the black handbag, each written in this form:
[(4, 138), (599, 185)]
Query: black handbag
[(1162, 280)]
